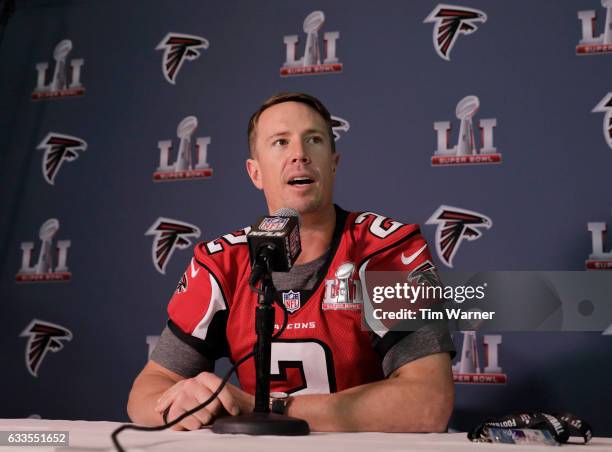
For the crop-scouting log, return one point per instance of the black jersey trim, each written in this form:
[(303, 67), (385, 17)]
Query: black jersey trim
[(383, 344), (214, 346)]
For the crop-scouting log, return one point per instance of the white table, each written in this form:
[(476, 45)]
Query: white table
[(88, 436)]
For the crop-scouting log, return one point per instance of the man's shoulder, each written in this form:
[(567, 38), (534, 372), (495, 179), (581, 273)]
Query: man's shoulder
[(224, 252), (373, 230)]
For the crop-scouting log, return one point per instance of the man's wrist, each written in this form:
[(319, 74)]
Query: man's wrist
[(279, 402)]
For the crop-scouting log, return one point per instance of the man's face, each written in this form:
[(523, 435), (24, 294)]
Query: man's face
[(292, 161)]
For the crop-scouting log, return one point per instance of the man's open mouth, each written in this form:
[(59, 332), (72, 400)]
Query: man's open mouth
[(300, 181)]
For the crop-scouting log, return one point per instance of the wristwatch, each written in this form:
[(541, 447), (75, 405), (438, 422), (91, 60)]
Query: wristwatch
[(279, 401)]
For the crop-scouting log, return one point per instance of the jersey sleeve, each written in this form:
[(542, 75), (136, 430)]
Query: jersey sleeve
[(199, 308), (179, 356), (403, 255), (427, 340)]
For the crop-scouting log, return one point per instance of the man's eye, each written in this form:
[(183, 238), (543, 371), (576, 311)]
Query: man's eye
[(280, 142), (315, 139)]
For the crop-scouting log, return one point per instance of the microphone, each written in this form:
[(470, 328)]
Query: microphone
[(274, 243)]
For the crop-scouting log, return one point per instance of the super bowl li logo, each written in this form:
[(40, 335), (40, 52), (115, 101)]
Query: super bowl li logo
[(465, 151), (468, 369), (51, 263), (605, 106), (63, 83), (310, 62), (183, 167), (599, 259), (589, 44), (343, 292), (151, 342)]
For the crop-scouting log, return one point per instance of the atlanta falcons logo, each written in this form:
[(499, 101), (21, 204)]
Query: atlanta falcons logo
[(169, 235), (450, 21), (59, 148), (42, 337), (605, 106), (425, 274), (339, 125), (178, 48), (182, 284), (455, 225)]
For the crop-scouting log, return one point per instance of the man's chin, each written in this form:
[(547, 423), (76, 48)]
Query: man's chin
[(304, 206)]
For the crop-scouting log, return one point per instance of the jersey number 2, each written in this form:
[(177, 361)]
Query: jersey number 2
[(303, 365)]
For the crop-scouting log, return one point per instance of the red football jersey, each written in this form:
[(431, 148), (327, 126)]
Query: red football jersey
[(324, 347)]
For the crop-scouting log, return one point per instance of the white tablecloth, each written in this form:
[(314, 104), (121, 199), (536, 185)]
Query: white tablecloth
[(95, 436)]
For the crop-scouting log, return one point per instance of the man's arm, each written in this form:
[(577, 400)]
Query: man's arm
[(148, 387), (417, 397), (157, 388)]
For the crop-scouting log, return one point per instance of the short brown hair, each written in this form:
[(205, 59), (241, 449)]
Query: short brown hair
[(303, 98)]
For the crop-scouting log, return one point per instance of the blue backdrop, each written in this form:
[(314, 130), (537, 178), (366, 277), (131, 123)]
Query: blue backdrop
[(520, 62)]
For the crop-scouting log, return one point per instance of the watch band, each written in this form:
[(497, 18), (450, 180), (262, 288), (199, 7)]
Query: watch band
[(279, 406), (279, 401)]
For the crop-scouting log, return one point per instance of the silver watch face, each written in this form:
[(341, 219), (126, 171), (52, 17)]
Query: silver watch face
[(278, 395)]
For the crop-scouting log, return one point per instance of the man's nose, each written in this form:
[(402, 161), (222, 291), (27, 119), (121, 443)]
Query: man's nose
[(299, 153)]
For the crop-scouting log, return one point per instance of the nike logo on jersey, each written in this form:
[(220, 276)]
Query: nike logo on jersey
[(194, 272), (408, 260)]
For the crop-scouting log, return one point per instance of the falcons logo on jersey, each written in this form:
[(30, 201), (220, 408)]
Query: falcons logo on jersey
[(454, 226), (169, 235), (178, 48), (182, 284), (59, 148), (42, 337), (425, 274), (450, 21), (339, 125), (605, 106)]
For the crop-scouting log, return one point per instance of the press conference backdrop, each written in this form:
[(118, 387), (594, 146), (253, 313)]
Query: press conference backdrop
[(122, 144)]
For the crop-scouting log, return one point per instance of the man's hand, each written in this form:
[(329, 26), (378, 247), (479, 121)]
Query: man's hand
[(187, 394)]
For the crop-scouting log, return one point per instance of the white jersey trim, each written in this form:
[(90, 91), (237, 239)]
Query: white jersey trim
[(217, 303)]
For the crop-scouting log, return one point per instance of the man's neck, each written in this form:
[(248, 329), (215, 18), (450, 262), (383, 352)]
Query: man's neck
[(316, 233)]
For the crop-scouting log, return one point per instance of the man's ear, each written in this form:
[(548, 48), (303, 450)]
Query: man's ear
[(335, 161), (252, 167)]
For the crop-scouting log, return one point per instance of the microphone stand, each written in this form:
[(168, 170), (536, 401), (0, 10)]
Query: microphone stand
[(261, 421)]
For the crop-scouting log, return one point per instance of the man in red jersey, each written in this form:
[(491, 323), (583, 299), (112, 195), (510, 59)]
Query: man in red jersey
[(338, 376)]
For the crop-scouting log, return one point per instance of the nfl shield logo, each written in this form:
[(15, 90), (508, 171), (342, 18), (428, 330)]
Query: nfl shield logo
[(273, 223), (291, 300)]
